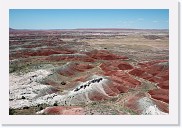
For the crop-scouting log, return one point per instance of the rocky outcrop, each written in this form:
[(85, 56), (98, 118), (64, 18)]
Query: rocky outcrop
[(23, 89)]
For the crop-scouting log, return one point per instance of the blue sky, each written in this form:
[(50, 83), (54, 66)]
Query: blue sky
[(88, 18)]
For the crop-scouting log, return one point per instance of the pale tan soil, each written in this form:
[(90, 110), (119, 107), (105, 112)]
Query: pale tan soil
[(134, 46)]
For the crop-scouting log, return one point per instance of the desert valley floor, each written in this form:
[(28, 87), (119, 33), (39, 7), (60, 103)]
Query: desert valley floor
[(88, 72)]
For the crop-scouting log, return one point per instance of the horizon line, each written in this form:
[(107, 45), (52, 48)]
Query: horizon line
[(89, 28)]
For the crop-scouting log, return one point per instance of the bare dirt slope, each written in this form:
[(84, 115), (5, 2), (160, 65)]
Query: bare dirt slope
[(89, 72)]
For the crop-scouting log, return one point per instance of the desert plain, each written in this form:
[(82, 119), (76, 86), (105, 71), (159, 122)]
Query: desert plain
[(89, 72)]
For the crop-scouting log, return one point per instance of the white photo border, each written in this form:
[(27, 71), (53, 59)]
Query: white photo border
[(171, 119)]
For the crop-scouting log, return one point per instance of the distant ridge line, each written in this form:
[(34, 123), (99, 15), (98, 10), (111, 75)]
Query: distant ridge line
[(12, 29)]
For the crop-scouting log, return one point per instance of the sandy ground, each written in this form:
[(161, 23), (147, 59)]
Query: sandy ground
[(28, 91)]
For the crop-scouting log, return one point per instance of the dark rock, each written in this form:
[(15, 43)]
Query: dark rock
[(76, 90), (23, 97), (11, 111), (63, 83), (26, 107), (41, 108), (55, 104)]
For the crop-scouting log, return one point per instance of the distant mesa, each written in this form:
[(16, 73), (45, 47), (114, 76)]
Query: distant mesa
[(11, 29)]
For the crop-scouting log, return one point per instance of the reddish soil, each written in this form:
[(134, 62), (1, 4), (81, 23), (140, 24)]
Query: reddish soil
[(63, 110), (41, 52), (132, 103), (74, 59), (162, 105), (160, 94), (97, 96), (73, 68), (71, 57), (115, 65), (150, 63), (123, 78), (164, 84), (157, 72), (104, 55)]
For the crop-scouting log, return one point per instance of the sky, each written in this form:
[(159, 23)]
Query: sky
[(88, 18)]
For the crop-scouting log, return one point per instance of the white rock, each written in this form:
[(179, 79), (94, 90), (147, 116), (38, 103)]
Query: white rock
[(149, 108), (27, 86), (153, 110)]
